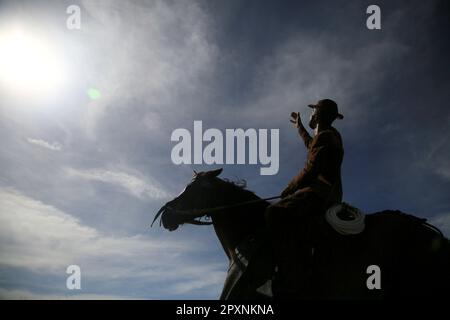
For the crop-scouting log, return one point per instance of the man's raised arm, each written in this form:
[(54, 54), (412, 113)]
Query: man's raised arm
[(297, 121)]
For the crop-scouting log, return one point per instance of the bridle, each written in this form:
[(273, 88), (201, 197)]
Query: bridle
[(205, 211)]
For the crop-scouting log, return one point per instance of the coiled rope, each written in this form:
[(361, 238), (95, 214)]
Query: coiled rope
[(354, 225)]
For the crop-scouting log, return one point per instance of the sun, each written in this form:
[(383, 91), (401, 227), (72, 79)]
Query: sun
[(29, 65)]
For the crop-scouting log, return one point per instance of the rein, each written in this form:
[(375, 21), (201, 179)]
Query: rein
[(207, 211), (215, 209)]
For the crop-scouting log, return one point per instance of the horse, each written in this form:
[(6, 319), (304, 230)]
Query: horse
[(397, 255)]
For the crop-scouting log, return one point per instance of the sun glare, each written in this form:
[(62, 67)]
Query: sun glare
[(29, 66)]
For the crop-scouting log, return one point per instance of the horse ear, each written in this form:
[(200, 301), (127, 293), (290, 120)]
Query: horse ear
[(195, 173), (215, 173)]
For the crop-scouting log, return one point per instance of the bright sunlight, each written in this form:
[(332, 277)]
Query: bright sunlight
[(29, 65)]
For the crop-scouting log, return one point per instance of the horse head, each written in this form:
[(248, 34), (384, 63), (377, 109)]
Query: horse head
[(186, 207)]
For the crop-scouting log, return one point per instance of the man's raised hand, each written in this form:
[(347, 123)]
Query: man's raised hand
[(296, 120)]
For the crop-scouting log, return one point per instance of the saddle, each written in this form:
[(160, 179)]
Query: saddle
[(317, 231)]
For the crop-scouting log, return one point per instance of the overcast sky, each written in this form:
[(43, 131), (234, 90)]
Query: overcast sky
[(81, 175)]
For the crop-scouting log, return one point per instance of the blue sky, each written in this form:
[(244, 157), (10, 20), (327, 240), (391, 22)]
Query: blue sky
[(81, 178)]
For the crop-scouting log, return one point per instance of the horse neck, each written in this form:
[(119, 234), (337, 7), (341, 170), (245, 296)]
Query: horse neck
[(234, 225)]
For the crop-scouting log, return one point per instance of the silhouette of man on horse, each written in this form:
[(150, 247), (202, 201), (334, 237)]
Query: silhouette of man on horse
[(314, 256), (309, 194)]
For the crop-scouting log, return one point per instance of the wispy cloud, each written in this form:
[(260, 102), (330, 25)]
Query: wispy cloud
[(55, 146), (15, 294), (167, 54), (443, 171), (40, 238), (207, 281), (305, 69), (442, 221), (133, 185)]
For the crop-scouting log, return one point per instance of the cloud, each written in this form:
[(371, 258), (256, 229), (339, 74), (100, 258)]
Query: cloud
[(207, 281), (147, 59), (443, 171), (15, 294), (42, 239), (305, 69), (133, 185), (442, 221), (163, 53), (55, 146)]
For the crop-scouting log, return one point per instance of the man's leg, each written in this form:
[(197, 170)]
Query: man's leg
[(287, 223), (280, 221)]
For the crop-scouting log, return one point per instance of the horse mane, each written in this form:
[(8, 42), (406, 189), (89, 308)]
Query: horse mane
[(238, 186), (241, 183)]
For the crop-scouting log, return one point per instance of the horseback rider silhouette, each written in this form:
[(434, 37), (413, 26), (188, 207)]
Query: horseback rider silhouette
[(314, 261), (317, 187)]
